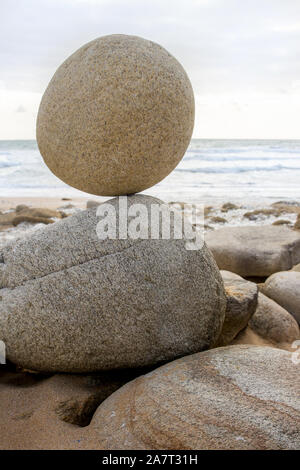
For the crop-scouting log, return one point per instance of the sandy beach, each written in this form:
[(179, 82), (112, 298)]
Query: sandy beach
[(9, 203)]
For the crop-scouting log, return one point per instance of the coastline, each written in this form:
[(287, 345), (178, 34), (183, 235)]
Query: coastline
[(8, 203)]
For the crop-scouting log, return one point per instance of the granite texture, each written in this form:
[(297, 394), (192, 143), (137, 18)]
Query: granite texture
[(241, 304), (70, 302), (274, 323), (116, 117), (238, 397), (254, 250), (284, 288)]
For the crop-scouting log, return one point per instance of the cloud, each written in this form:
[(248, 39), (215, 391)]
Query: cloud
[(228, 47)]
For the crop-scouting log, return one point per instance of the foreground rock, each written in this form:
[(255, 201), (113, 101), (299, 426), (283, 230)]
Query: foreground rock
[(241, 304), (73, 303), (238, 397), (274, 323), (284, 288), (254, 251)]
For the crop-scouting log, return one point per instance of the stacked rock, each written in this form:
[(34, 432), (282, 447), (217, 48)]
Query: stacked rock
[(117, 118)]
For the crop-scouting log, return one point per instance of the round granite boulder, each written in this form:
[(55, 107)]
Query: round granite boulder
[(237, 397), (116, 117), (72, 302)]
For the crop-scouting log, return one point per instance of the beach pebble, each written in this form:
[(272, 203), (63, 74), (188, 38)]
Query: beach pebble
[(217, 220), (228, 206), (241, 298), (284, 288), (71, 302), (92, 203), (297, 223), (35, 215), (19, 219), (254, 250), (237, 397), (282, 222), (22, 207), (121, 111), (273, 323), (7, 219)]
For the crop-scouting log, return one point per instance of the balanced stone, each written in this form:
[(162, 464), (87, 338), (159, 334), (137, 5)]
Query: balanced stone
[(116, 117), (237, 397), (71, 302)]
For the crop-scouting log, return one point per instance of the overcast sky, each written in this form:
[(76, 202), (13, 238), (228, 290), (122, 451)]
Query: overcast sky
[(242, 56)]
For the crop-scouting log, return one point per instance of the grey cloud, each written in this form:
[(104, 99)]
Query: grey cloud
[(225, 45)]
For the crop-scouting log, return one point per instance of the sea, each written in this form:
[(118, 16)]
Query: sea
[(255, 172)]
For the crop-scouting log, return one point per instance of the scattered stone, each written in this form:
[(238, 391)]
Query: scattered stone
[(91, 204), (127, 115), (282, 222), (82, 304), (202, 227), (178, 203), (22, 207), (255, 250), (5, 227), (40, 212), (237, 397), (297, 223), (32, 220), (217, 220), (7, 219), (284, 288), (254, 215), (273, 323), (287, 208), (35, 215), (241, 304), (286, 203), (207, 210), (228, 206)]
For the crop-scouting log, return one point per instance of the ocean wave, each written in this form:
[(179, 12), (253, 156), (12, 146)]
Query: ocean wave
[(8, 164), (236, 169)]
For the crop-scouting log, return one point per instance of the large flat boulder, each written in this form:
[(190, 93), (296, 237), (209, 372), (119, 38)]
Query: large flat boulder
[(70, 302), (255, 250), (237, 397)]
